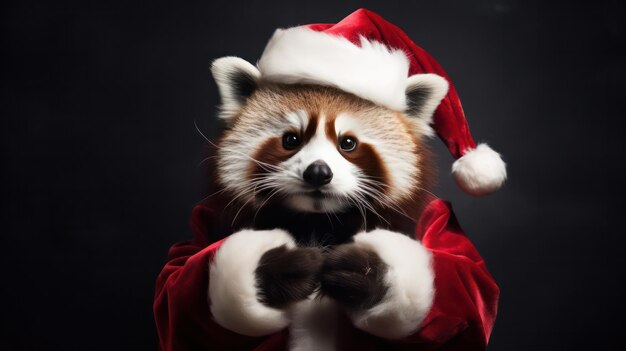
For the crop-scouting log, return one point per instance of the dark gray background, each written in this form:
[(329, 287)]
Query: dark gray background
[(100, 155)]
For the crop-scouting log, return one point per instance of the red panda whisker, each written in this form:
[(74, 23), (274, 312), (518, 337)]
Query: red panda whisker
[(270, 187), (215, 193), (375, 187), (364, 185), (293, 175), (238, 212), (371, 194), (358, 206), (364, 214), (376, 195), (374, 182), (390, 203), (202, 134), (363, 205), (274, 192), (242, 206), (427, 191), (259, 174), (287, 172), (206, 159), (330, 221), (269, 167), (267, 182), (399, 211), (261, 187), (369, 206), (234, 199), (334, 213), (363, 193), (262, 179), (257, 186), (345, 199), (383, 198), (250, 187)]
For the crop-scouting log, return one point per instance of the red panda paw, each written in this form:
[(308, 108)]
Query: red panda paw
[(353, 276), (285, 276)]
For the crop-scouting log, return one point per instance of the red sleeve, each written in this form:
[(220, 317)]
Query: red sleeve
[(181, 306), (466, 295)]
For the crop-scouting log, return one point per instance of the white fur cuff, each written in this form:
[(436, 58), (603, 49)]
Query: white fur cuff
[(370, 70), (409, 279), (232, 284)]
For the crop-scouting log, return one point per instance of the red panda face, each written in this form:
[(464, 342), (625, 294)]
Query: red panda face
[(316, 149)]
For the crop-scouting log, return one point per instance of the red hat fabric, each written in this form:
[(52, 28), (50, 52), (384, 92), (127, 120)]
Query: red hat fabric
[(365, 55)]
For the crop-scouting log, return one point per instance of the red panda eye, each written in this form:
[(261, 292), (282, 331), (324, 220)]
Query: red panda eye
[(291, 141), (348, 144)]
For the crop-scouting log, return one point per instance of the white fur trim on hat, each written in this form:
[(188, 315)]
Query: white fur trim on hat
[(480, 171), (371, 71), (232, 283), (410, 282)]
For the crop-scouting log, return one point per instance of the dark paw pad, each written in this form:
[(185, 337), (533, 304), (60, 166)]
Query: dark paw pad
[(353, 276), (286, 276)]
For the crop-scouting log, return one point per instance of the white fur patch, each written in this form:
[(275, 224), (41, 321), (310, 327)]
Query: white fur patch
[(371, 71), (299, 119), (224, 70), (232, 284), (345, 173), (410, 279), (480, 171)]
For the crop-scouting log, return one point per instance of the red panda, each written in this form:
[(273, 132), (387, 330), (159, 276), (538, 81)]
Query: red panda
[(303, 169), (318, 181)]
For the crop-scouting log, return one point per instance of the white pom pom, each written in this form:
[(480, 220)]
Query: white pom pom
[(480, 171)]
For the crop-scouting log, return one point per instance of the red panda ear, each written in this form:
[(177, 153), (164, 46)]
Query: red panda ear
[(236, 80), (424, 92)]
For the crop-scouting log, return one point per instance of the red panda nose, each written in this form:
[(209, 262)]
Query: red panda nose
[(317, 174)]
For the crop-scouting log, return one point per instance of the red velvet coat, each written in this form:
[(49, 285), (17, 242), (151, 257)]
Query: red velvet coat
[(461, 318)]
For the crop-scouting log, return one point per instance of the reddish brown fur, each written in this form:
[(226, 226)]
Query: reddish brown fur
[(271, 152), (311, 127), (366, 157)]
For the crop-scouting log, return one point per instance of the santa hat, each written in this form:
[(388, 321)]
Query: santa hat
[(375, 60)]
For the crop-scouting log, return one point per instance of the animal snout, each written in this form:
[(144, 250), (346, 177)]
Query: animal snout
[(317, 174)]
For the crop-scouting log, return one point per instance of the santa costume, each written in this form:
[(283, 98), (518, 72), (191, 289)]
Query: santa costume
[(367, 56)]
